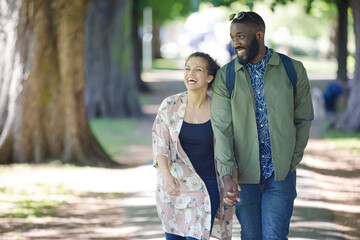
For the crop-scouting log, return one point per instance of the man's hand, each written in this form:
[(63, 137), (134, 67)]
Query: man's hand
[(230, 191)]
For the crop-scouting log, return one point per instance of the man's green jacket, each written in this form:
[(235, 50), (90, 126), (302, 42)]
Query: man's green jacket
[(234, 121)]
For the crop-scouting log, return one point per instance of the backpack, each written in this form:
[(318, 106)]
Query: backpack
[(289, 68)]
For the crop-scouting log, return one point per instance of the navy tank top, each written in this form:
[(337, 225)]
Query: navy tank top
[(197, 140)]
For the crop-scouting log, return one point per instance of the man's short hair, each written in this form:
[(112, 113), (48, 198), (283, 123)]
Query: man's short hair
[(250, 18)]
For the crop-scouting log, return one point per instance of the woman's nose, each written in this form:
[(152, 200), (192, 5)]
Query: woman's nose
[(192, 72)]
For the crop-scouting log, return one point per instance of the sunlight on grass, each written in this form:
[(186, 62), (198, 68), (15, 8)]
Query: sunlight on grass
[(318, 66), (169, 64), (311, 64), (26, 191), (32, 200), (343, 140), (114, 134)]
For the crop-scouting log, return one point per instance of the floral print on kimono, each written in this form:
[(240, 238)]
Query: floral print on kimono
[(189, 213)]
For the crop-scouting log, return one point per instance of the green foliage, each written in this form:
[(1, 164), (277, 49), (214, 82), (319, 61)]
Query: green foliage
[(167, 10), (163, 11)]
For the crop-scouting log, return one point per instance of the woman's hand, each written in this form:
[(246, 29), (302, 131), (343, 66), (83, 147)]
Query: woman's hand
[(171, 184)]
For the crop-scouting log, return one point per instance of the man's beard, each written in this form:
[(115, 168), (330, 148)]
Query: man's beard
[(252, 51)]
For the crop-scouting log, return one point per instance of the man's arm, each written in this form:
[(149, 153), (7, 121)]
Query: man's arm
[(221, 118), (303, 115)]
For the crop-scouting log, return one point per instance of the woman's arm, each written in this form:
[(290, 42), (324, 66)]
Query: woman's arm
[(171, 184)]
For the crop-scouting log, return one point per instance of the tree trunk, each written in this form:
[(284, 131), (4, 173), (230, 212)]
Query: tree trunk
[(137, 49), (111, 89), (156, 43), (342, 52), (44, 79), (350, 119)]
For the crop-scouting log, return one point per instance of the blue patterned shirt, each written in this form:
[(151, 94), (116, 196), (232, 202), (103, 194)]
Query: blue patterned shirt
[(257, 72)]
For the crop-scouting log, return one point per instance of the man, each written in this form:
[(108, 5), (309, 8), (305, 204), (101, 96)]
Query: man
[(261, 131), (333, 94)]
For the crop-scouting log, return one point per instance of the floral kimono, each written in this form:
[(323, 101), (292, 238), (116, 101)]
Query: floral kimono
[(189, 213)]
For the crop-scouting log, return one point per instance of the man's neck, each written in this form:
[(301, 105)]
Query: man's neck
[(260, 56)]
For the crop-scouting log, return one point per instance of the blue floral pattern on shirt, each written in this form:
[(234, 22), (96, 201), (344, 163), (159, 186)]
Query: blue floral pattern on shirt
[(257, 72)]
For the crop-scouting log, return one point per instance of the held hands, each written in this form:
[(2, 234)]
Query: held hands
[(171, 184), (230, 191)]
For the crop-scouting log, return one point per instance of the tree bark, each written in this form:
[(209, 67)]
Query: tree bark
[(46, 117), (137, 48), (156, 40), (342, 40), (111, 89), (350, 119)]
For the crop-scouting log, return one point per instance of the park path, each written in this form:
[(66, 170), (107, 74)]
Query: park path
[(119, 204)]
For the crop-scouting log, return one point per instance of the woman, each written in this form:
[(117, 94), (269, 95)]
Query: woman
[(187, 193)]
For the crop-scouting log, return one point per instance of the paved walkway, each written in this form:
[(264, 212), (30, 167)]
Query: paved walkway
[(312, 218)]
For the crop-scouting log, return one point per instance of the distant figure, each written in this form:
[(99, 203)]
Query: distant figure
[(333, 93), (230, 49), (318, 102)]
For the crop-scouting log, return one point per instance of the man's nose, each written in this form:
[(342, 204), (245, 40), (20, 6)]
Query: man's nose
[(235, 43)]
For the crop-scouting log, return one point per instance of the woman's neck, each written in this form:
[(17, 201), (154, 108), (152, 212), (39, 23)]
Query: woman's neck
[(197, 100)]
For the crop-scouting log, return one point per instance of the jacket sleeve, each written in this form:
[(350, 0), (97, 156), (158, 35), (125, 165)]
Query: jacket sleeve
[(303, 114), (161, 134), (221, 118)]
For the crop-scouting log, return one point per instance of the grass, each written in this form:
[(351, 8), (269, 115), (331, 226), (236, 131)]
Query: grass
[(40, 199), (168, 64), (318, 66), (32, 200), (343, 140), (115, 134), (311, 64)]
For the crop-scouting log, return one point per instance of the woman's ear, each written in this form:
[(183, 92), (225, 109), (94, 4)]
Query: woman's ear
[(210, 78)]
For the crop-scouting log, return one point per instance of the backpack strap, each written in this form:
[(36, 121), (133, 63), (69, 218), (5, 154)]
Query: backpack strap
[(230, 76), (290, 70)]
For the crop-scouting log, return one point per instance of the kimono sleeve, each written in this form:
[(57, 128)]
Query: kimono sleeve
[(161, 134)]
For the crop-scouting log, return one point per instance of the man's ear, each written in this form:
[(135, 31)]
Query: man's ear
[(259, 35)]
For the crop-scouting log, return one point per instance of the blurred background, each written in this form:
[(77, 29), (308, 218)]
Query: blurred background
[(80, 85)]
